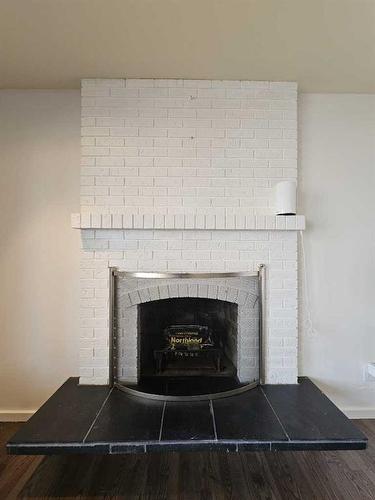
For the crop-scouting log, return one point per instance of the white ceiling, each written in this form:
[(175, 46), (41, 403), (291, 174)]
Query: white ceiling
[(324, 45)]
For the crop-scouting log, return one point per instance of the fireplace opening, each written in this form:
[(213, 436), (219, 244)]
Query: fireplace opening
[(184, 337), (188, 337)]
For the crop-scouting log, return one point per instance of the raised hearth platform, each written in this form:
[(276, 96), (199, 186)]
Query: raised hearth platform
[(98, 419)]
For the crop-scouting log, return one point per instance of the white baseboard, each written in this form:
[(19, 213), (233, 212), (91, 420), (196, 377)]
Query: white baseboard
[(357, 412), (15, 415)]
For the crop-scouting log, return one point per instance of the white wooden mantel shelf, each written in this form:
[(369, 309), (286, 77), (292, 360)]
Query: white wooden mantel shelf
[(211, 222)]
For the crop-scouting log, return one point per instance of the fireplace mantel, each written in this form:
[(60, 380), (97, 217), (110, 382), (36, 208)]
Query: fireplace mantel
[(180, 221)]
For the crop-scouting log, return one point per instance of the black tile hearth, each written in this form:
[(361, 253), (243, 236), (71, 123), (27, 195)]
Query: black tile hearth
[(307, 414), (186, 386), (246, 417), (186, 421), (89, 419), (66, 416), (127, 418)]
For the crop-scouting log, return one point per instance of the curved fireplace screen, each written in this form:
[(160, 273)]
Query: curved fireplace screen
[(186, 336)]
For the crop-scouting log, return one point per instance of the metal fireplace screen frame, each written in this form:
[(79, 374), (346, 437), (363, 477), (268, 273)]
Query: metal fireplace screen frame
[(115, 273)]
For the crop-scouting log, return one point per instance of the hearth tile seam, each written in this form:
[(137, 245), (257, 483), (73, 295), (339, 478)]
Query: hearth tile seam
[(97, 415), (243, 445), (148, 446), (276, 415), (323, 445), (142, 444), (162, 421), (191, 443), (112, 447), (75, 444), (213, 418), (320, 441), (187, 441)]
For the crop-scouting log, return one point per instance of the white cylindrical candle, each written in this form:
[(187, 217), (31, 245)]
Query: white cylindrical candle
[(286, 198)]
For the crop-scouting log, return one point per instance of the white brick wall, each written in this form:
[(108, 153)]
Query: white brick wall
[(178, 169), (213, 251), (186, 146)]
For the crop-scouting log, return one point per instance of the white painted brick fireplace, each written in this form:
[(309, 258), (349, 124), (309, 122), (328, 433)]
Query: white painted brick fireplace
[(178, 175)]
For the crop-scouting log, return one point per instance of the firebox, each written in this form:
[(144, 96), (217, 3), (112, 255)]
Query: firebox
[(186, 336)]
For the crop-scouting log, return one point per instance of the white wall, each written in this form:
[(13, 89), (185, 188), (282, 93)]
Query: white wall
[(39, 252), (337, 170)]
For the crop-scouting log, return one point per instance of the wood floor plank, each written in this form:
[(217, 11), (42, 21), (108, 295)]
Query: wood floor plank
[(14, 471), (314, 465), (287, 475), (260, 481)]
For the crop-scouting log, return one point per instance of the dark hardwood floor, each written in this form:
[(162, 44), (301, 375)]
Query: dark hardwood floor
[(260, 475)]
